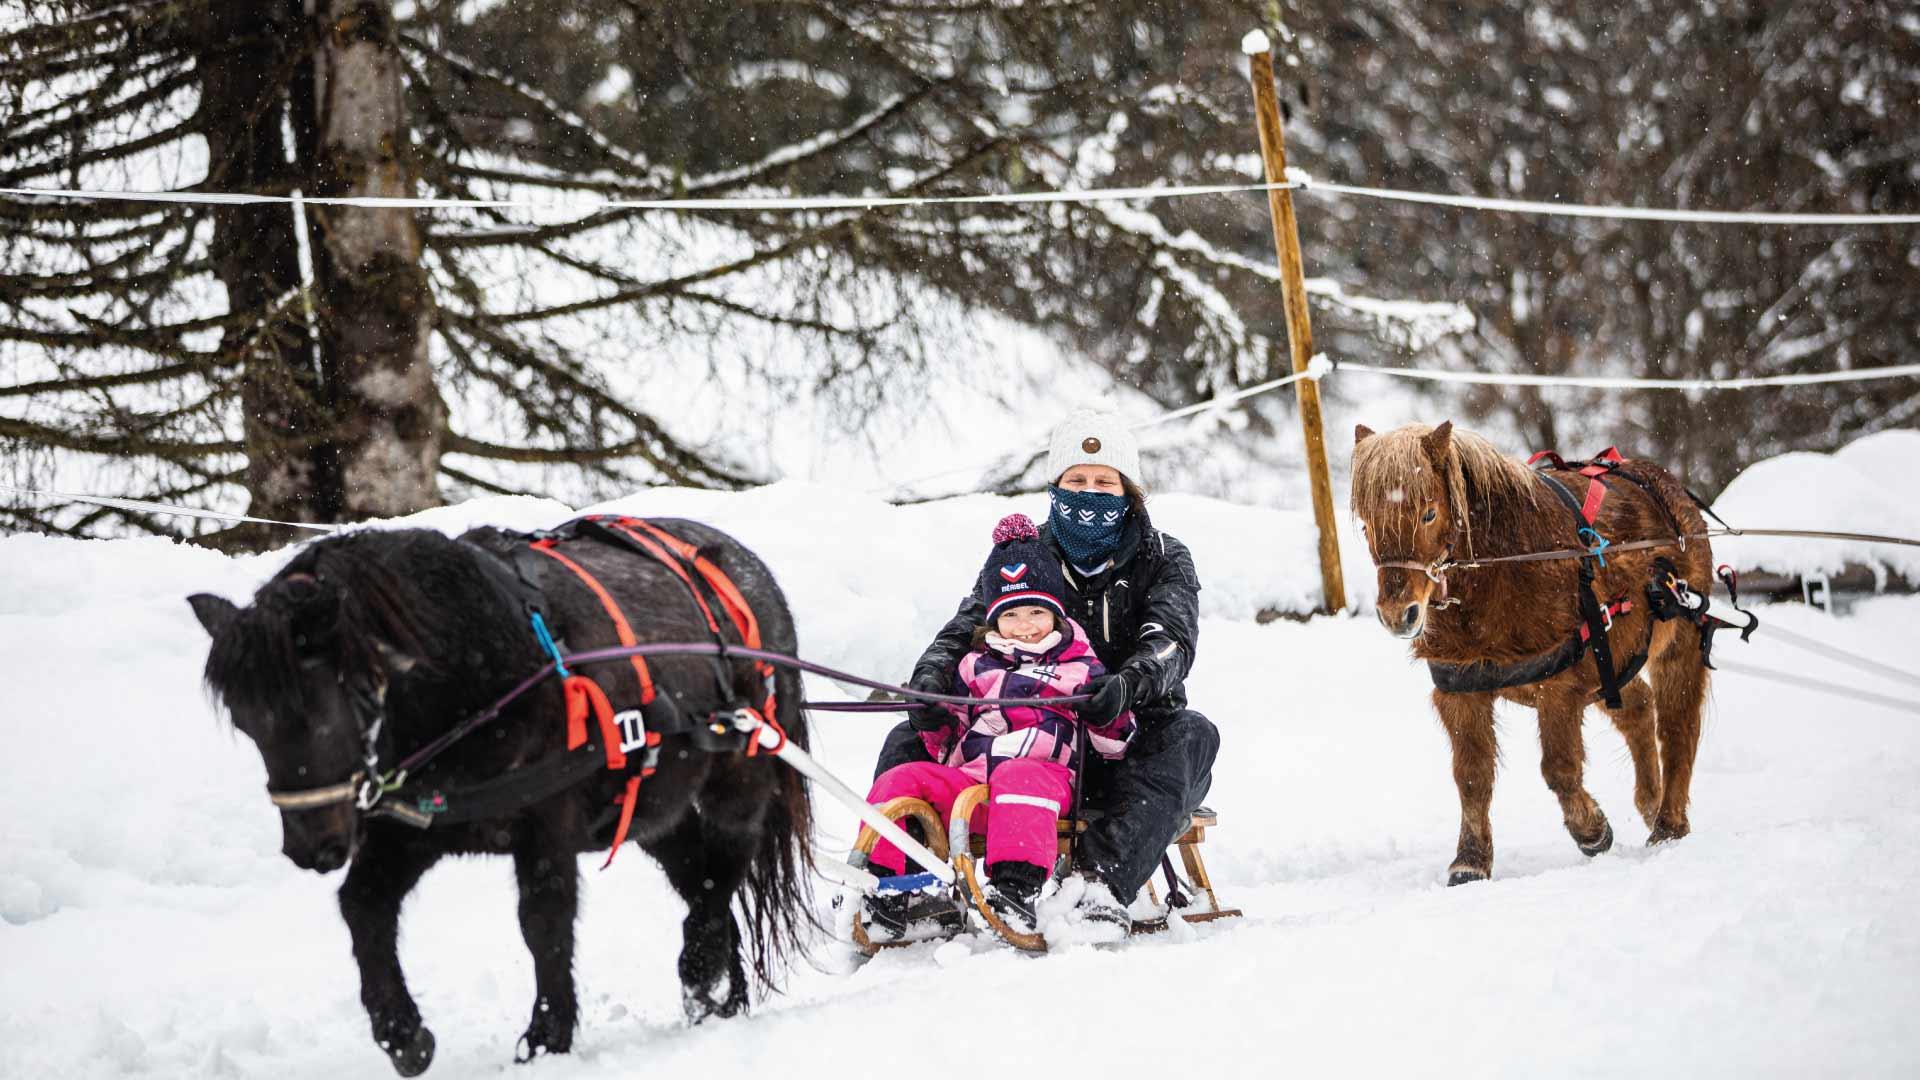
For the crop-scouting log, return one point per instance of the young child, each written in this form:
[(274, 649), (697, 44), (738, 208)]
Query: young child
[(1027, 648)]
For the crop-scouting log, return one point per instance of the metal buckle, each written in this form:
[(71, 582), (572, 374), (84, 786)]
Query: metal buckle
[(373, 789)]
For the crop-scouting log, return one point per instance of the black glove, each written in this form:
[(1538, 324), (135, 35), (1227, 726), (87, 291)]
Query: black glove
[(1112, 694), (929, 716)]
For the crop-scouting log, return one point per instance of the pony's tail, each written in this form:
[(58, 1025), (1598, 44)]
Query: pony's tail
[(776, 895)]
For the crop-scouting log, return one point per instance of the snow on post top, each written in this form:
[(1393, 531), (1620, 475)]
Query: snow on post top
[(1255, 43)]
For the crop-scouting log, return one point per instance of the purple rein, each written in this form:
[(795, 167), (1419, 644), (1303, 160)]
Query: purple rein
[(708, 648)]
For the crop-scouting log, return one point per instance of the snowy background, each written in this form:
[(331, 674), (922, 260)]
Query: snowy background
[(150, 927)]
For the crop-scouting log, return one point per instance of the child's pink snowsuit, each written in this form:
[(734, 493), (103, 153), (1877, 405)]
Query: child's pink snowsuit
[(1024, 753)]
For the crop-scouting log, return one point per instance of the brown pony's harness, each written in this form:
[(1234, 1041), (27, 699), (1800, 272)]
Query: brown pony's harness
[(1668, 595)]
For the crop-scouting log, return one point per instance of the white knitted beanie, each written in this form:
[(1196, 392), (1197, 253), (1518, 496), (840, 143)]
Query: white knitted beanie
[(1093, 438)]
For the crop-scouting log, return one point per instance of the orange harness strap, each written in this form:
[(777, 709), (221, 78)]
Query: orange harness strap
[(585, 696), (660, 555), (736, 604), (620, 627), (731, 598)]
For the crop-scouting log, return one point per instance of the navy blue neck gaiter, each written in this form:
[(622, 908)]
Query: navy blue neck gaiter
[(1087, 525)]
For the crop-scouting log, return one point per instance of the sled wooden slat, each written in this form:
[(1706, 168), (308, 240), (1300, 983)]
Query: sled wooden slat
[(968, 859)]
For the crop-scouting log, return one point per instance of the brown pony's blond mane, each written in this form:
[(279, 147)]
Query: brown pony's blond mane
[(1387, 471)]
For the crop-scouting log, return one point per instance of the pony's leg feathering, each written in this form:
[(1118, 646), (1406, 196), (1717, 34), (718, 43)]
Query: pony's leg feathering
[(1679, 696), (381, 876), (549, 881), (1468, 719), (1562, 764), (1634, 719)]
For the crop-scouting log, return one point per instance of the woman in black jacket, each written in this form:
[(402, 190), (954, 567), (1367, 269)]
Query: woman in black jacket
[(1133, 589)]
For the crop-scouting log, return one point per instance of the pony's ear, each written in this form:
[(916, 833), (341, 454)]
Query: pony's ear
[(1438, 441), (214, 612), (1360, 433)]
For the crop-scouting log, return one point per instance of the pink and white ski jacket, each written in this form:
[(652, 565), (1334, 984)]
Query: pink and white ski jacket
[(982, 736)]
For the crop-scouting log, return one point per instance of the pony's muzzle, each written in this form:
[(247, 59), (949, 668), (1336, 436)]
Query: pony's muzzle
[(1403, 622), (323, 845), (329, 857)]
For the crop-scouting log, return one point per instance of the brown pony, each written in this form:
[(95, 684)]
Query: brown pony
[(1434, 495)]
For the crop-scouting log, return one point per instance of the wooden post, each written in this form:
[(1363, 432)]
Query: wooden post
[(1293, 294)]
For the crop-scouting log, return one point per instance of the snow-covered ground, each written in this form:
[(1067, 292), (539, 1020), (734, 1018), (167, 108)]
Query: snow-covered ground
[(151, 927)]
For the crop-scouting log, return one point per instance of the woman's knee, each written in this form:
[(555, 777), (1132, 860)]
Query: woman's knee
[(1186, 732)]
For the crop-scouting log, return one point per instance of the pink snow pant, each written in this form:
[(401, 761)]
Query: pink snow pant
[(1026, 797)]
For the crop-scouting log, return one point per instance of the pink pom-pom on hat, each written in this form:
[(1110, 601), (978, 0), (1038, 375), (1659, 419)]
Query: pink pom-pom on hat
[(1014, 527)]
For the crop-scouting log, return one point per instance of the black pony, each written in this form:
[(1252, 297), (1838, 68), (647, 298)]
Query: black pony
[(367, 646)]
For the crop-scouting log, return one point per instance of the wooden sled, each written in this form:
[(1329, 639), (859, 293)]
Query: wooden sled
[(964, 851)]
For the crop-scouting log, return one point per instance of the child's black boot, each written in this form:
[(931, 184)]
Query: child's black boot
[(1013, 890)]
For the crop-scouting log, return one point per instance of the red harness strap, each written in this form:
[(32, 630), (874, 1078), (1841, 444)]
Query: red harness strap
[(1603, 462), (737, 608), (620, 627), (1596, 494), (585, 696), (1618, 607), (1595, 471)]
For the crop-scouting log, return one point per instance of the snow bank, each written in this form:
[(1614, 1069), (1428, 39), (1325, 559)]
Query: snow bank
[(1868, 486), (150, 928)]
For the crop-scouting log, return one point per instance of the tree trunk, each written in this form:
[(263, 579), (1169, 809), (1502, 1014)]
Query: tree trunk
[(242, 64), (376, 307)]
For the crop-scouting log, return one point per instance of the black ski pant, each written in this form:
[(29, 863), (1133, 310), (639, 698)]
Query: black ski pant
[(1146, 798)]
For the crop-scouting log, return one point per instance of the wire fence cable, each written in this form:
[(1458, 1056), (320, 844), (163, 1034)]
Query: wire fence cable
[(1297, 181)]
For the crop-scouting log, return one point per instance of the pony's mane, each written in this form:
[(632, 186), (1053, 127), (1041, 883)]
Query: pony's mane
[(1386, 466), (336, 599)]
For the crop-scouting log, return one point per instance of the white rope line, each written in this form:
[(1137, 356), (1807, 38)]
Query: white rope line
[(748, 202), (159, 508), (1609, 382), (1297, 181), (1615, 213), (1320, 367)]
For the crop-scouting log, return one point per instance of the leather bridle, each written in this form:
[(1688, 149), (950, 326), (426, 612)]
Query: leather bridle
[(363, 789)]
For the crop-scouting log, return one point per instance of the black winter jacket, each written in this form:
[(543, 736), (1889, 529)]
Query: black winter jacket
[(1142, 612)]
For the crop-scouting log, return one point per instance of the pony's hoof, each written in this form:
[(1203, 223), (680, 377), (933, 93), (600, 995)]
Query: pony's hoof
[(411, 1058), (1464, 875), (702, 1005), (1600, 845), (533, 1045), (1663, 832), (551, 1032)]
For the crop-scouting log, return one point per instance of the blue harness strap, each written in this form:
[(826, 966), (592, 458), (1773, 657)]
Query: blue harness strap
[(545, 636)]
